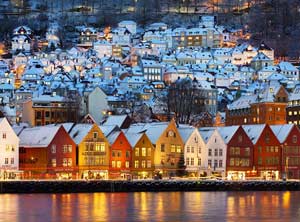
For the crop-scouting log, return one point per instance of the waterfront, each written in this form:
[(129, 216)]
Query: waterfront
[(146, 206)]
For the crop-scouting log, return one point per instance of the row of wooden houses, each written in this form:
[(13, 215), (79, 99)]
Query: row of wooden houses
[(145, 150)]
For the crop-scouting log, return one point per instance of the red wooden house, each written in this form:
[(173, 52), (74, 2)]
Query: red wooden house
[(239, 161), (120, 156), (289, 137), (267, 151), (47, 152)]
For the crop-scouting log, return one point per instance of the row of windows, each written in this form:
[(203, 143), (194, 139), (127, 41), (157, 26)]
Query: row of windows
[(216, 162), (268, 149), (237, 151), (118, 153), (191, 161), (142, 151), (217, 152), (94, 160), (66, 148), (10, 148), (269, 161), (174, 148), (191, 149), (291, 150), (118, 164), (142, 164), (92, 146), (66, 162), (243, 162), (6, 161)]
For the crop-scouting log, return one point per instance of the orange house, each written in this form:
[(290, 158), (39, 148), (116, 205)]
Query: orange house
[(120, 156), (47, 152)]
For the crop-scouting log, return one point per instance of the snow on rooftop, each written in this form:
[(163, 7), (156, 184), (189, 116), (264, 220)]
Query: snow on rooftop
[(40, 136), (254, 131), (282, 131), (79, 132)]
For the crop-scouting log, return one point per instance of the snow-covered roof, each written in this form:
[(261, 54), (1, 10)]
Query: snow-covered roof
[(282, 131), (206, 133), (40, 136), (227, 132), (115, 120), (133, 138), (80, 131), (287, 66), (242, 102), (185, 132), (254, 131)]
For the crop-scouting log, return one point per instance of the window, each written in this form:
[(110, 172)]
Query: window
[(259, 149), (119, 164), (216, 152), (143, 163), (127, 154), (113, 163), (148, 163), (178, 149), (137, 151), (7, 148), (143, 151), (53, 162), (187, 161), (65, 148), (209, 152), (220, 152), (192, 149), (247, 151), (232, 150), (237, 161), (294, 139), (199, 150), (149, 152), (113, 153), (215, 163), (127, 164), (119, 153), (162, 147), (209, 163), (95, 135), (259, 161), (240, 138), (12, 160), (65, 162), (231, 161), (3, 135), (53, 148), (136, 164), (188, 149), (173, 148), (220, 163), (192, 161), (70, 148), (237, 151), (199, 161)]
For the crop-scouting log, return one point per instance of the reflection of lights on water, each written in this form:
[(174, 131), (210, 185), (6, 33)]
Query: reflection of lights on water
[(286, 199)]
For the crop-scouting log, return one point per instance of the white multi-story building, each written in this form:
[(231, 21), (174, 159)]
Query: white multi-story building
[(9, 150)]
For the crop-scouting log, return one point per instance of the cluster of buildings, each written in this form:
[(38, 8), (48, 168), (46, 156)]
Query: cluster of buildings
[(121, 150), (119, 70), (72, 110)]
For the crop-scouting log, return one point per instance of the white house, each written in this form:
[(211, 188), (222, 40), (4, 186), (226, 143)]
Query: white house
[(9, 150), (130, 25), (193, 145)]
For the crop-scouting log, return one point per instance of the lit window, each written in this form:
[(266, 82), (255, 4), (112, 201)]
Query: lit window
[(113, 163), (127, 164), (143, 163), (136, 164), (178, 149), (118, 164), (149, 152), (143, 151), (137, 153), (173, 148), (148, 163), (53, 162)]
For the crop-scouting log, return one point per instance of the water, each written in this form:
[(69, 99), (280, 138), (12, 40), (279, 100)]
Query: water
[(173, 206)]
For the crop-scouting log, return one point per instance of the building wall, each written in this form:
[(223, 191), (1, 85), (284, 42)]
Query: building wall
[(120, 153), (215, 142), (97, 103), (291, 154), (137, 169), (240, 153), (192, 149), (9, 148), (266, 148), (96, 159)]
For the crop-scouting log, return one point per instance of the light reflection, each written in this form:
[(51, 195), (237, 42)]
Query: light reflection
[(144, 206)]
